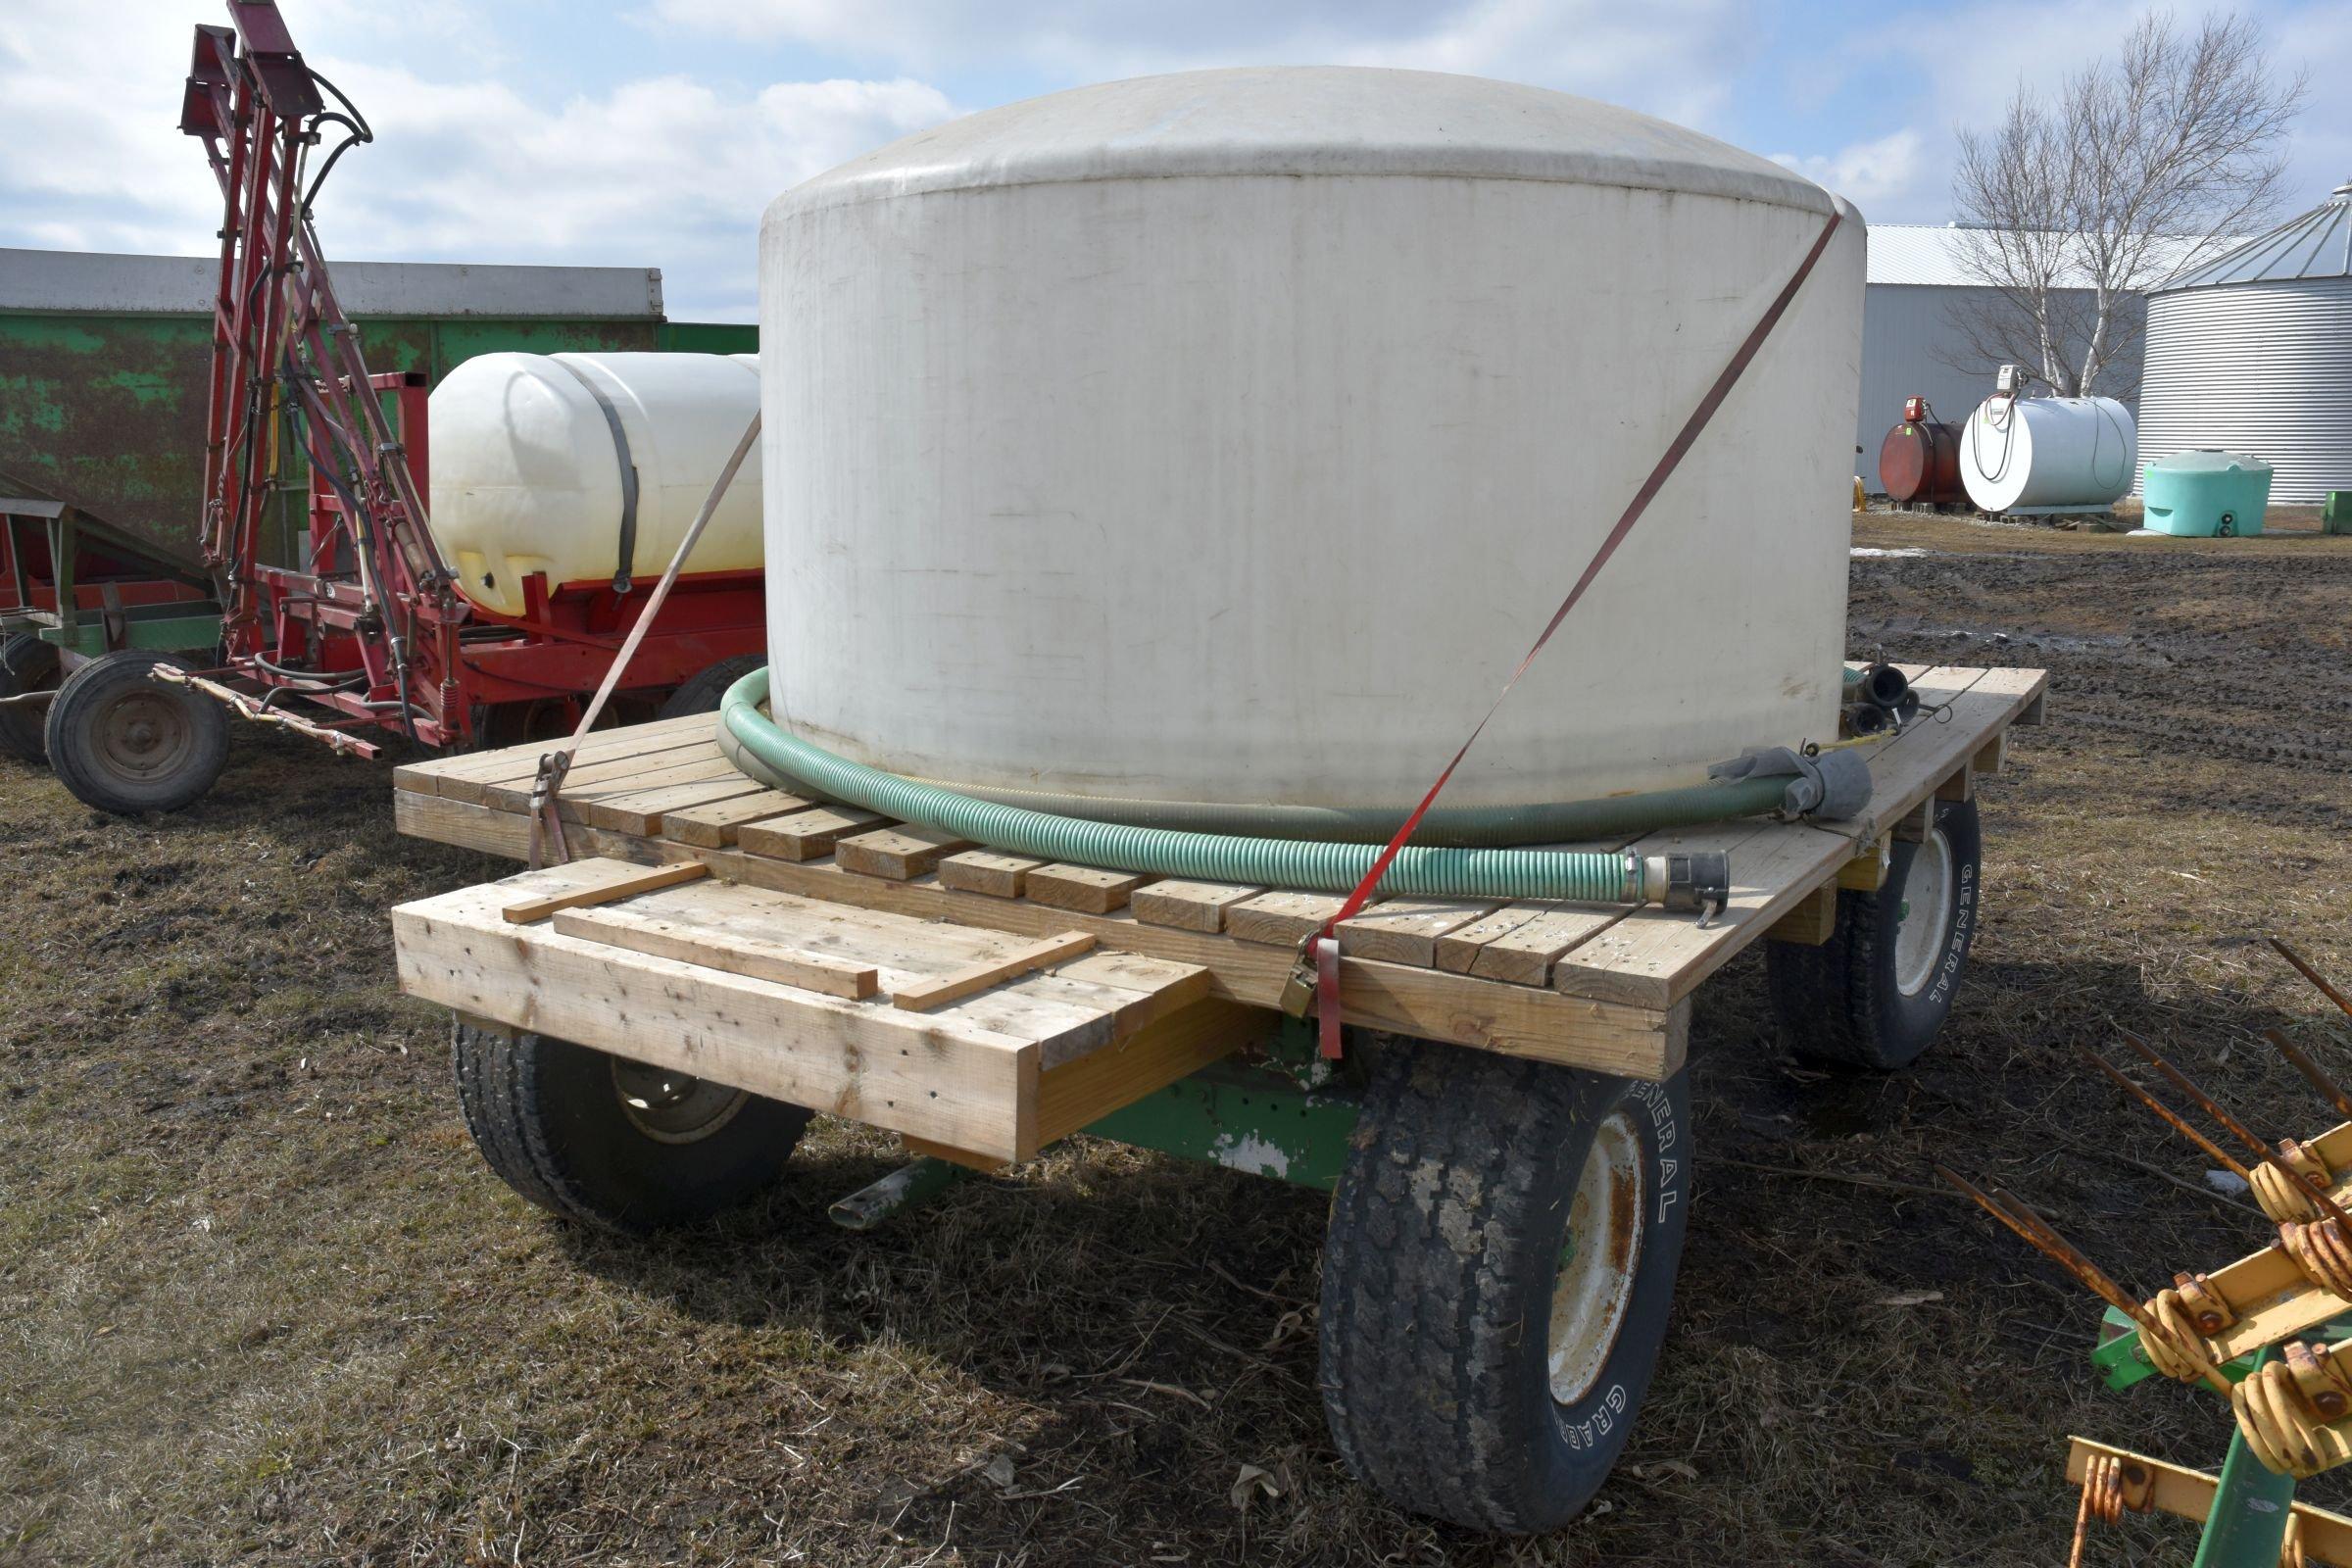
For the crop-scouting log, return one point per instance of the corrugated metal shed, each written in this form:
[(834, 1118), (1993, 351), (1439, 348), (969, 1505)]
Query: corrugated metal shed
[(94, 281), (2253, 353)]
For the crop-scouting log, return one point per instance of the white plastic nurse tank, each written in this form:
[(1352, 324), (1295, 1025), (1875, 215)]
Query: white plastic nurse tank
[(532, 457), (2021, 455), (1227, 436)]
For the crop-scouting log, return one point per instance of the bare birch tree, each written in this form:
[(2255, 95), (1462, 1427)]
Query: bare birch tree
[(2137, 168)]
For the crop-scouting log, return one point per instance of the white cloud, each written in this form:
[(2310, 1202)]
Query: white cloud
[(1865, 171), (1675, 58), (666, 172)]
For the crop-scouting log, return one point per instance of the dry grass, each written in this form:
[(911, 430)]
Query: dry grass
[(259, 1300)]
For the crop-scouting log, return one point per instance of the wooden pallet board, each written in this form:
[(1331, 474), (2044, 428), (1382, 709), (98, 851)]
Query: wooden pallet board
[(968, 1071), (1618, 980)]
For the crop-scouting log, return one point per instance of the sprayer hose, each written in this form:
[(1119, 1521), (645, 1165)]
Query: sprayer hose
[(766, 752)]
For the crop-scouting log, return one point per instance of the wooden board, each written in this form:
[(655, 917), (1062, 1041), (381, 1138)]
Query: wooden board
[(595, 881), (1406, 930), (925, 995), (717, 981), (804, 835), (1083, 887), (1189, 905), (715, 825), (896, 853), (1001, 876), (1280, 919)]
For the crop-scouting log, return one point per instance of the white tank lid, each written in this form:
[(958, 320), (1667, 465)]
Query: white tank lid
[(1307, 119)]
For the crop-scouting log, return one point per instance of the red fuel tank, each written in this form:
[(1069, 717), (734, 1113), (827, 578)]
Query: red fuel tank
[(1919, 462)]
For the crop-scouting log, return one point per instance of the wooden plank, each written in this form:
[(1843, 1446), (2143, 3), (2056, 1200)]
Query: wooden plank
[(586, 771), (736, 955), (925, 1148), (644, 815), (1152, 986), (1280, 919), (895, 852), (1812, 922), (613, 880), (1406, 930), (1000, 876), (804, 835), (693, 765), (1524, 954), (1993, 756), (1867, 871), (1066, 1017), (713, 825), (948, 988), (1930, 752), (1656, 957), (1961, 786), (1083, 887), (522, 761), (1189, 905), (1457, 950), (933, 1075), (1545, 1025), (1083, 1092)]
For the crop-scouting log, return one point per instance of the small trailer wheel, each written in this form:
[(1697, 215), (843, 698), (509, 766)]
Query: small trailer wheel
[(616, 1143), (1496, 1275), (703, 691), (1877, 994), (124, 742), (28, 665)]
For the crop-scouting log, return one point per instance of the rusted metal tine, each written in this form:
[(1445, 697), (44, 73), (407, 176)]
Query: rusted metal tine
[(2313, 1073), (2038, 1234), (2237, 1129), (2212, 1149), (2303, 967)]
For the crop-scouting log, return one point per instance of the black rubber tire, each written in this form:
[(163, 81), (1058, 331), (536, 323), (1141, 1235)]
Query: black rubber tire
[(548, 1116), (1842, 1003), (1439, 1266), (702, 691), (27, 665), (95, 696)]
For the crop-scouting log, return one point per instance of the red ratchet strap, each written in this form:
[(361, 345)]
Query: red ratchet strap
[(1322, 946)]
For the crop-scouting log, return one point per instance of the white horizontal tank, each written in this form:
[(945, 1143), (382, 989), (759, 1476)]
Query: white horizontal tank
[(1228, 436), (2030, 455), (527, 468)]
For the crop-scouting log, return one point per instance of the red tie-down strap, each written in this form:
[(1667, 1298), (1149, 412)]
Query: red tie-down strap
[(1322, 947)]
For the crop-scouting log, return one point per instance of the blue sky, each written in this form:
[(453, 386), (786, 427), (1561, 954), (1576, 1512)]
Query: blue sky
[(651, 132)]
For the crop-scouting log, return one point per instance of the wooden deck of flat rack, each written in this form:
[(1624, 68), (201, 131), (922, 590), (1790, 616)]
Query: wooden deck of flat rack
[(1590, 985)]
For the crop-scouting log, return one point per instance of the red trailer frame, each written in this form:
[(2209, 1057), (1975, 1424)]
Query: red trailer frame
[(369, 632)]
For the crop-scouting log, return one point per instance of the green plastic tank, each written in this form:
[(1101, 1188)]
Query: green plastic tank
[(2205, 492)]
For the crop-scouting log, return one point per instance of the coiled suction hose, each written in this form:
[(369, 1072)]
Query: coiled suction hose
[(764, 751)]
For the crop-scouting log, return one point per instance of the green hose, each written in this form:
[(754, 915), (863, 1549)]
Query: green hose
[(766, 752)]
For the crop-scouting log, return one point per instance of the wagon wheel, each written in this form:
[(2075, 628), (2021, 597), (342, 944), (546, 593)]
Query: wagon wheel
[(612, 1143), (124, 742), (1878, 993), (28, 665), (703, 691), (1497, 1277)]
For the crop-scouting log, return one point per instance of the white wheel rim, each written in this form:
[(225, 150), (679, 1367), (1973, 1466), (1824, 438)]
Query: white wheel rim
[(1595, 1284), (1926, 920), (671, 1108)]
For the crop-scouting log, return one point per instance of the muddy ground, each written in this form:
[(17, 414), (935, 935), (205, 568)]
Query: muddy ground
[(260, 1301)]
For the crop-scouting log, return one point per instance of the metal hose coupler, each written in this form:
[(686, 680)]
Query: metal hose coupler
[(1696, 879)]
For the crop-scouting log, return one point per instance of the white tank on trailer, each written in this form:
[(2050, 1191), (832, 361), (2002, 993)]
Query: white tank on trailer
[(2022, 456), (1227, 436), (528, 455)]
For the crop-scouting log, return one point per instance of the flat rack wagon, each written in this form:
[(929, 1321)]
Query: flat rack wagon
[(721, 944)]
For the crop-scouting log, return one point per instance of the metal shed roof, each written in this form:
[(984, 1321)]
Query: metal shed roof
[(2318, 244), (101, 283)]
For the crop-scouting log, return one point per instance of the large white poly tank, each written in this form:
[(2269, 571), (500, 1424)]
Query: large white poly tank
[(528, 466), (2039, 455), (1228, 436)]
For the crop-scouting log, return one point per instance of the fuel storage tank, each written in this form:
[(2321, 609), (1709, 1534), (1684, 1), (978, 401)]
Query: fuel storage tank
[(545, 461), (2021, 455), (1227, 436)]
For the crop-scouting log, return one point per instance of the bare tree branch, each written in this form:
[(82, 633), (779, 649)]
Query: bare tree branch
[(2139, 166)]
